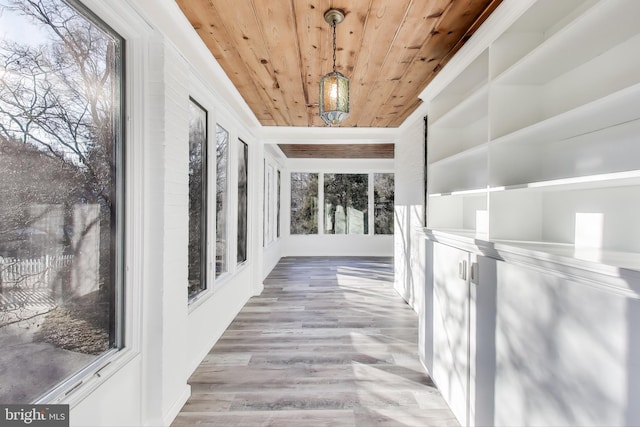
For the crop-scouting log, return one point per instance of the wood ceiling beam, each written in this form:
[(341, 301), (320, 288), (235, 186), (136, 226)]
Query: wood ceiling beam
[(338, 151)]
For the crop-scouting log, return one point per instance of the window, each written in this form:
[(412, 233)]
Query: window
[(304, 203), (197, 198), (269, 200), (264, 206), (271, 218), (222, 156), (243, 168), (61, 187), (278, 206), (346, 203), (383, 192)]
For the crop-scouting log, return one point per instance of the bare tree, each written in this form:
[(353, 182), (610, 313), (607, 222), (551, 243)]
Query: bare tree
[(383, 198), (345, 191), (59, 96), (59, 117), (197, 197), (304, 203)]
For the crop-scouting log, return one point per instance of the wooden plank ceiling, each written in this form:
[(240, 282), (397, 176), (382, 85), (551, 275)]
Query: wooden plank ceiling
[(276, 51), (338, 151)]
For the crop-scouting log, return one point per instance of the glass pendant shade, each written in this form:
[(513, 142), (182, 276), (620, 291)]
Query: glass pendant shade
[(334, 98)]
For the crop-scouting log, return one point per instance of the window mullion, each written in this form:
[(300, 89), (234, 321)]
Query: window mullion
[(371, 204), (321, 203)]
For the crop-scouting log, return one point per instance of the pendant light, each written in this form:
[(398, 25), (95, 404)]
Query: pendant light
[(334, 86)]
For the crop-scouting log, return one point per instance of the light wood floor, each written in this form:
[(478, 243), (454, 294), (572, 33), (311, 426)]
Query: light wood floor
[(328, 343)]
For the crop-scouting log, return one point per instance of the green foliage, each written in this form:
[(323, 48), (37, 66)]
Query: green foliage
[(383, 202), (304, 203), (346, 203)]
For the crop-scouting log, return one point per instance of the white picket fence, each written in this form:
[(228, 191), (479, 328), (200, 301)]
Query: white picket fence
[(34, 273)]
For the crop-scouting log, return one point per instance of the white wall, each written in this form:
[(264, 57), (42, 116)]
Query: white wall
[(409, 255), (162, 363), (271, 255), (272, 243), (340, 245), (146, 383)]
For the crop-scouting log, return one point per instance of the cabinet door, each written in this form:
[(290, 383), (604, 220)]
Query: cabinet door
[(565, 350), (451, 327)]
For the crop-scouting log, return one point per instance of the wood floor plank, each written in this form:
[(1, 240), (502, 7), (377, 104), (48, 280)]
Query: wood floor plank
[(327, 343)]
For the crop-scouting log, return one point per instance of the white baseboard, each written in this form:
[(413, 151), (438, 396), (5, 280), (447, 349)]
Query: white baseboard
[(177, 406)]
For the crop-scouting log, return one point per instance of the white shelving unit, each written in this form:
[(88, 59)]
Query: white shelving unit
[(458, 168), (537, 141)]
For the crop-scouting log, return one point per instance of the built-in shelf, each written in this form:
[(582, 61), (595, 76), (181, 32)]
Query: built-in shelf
[(475, 191), (470, 154), (455, 141), (471, 109), (543, 19), (468, 84), (521, 161), (576, 43), (616, 179), (459, 212), (533, 185), (538, 140), (616, 108), (461, 172), (458, 117)]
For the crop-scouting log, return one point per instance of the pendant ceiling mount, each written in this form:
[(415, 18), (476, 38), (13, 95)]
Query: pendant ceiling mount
[(334, 86), (334, 15)]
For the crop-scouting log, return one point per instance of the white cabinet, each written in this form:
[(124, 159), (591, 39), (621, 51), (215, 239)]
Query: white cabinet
[(514, 336), (450, 339), (562, 350), (451, 327), (537, 141)]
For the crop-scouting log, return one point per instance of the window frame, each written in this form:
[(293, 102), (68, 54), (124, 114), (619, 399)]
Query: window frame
[(122, 22), (373, 190), (226, 210), (204, 232), (269, 194), (318, 211), (243, 156), (278, 202), (271, 232), (321, 172), (366, 225)]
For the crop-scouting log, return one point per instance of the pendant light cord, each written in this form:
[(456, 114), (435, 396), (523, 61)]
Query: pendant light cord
[(334, 45)]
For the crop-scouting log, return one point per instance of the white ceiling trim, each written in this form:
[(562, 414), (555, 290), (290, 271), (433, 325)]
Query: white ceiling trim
[(328, 135)]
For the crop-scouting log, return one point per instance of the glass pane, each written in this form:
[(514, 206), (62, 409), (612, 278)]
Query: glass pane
[(304, 203), (243, 168), (346, 203), (383, 202), (264, 205), (278, 207), (222, 150), (197, 197), (270, 204), (343, 94), (60, 209)]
